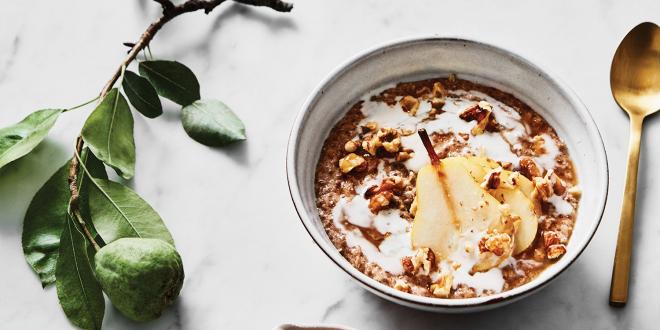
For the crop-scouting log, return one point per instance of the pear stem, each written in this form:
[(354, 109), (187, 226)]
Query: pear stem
[(435, 160)]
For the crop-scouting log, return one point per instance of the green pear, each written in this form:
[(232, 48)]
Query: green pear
[(141, 276)]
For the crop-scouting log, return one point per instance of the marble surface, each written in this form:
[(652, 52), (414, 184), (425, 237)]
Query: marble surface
[(249, 262)]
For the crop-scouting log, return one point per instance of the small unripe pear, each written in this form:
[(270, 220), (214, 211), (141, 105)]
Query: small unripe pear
[(141, 276)]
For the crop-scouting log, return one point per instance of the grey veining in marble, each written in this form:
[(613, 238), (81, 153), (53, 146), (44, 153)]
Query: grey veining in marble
[(249, 262)]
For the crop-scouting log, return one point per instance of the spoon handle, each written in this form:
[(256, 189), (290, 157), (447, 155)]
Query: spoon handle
[(621, 269)]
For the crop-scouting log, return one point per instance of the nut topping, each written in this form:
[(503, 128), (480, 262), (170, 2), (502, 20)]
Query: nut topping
[(439, 90), (351, 146), (481, 112), (529, 168), (408, 266), (401, 285), (497, 243), (352, 162), (423, 261), (555, 251), (492, 179), (442, 288), (409, 104)]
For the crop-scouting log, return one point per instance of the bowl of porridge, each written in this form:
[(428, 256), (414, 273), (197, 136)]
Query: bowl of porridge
[(447, 174)]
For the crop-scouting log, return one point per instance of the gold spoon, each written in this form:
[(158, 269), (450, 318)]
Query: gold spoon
[(635, 83)]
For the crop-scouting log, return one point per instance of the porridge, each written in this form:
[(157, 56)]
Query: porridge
[(446, 188)]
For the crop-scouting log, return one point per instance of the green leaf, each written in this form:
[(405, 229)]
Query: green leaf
[(17, 140), (117, 212), (43, 224), (109, 133), (78, 290), (172, 80), (142, 95), (97, 170), (212, 123)]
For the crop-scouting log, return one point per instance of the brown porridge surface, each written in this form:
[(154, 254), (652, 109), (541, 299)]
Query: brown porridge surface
[(331, 183)]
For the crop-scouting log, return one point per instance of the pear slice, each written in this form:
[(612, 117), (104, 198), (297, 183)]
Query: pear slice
[(434, 226), (518, 198), (479, 167), (476, 210), (523, 207)]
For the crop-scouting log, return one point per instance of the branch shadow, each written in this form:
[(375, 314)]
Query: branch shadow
[(276, 24)]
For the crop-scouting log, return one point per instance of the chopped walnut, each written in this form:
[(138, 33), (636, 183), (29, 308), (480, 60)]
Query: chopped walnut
[(529, 168), (351, 146), (410, 104), (380, 201), (442, 288), (386, 137), (389, 184), (401, 285), (437, 104), (371, 145), (497, 243), (555, 251), (492, 179), (439, 91), (371, 126), (352, 162), (402, 156), (385, 195), (558, 185), (551, 238), (424, 261), (408, 266), (481, 112), (406, 132), (392, 146), (542, 188)]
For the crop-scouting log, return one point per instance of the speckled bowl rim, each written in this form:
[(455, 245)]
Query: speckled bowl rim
[(429, 303)]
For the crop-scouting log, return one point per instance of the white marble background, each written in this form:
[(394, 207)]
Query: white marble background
[(249, 262)]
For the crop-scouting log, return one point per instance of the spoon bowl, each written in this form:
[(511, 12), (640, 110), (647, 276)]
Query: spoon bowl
[(635, 83), (635, 73)]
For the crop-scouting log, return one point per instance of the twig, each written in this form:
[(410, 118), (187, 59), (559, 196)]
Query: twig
[(275, 4), (170, 11), (74, 208), (166, 4)]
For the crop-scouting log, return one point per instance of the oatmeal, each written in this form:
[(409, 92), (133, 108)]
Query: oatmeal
[(486, 205)]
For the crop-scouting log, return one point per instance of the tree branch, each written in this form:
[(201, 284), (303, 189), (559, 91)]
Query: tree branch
[(277, 5), (166, 4), (170, 11), (74, 207)]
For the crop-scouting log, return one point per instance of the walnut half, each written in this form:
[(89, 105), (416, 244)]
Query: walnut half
[(352, 162)]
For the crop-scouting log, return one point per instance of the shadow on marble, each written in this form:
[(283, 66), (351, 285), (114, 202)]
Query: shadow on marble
[(550, 308), (275, 24), (21, 179), (170, 319), (644, 202)]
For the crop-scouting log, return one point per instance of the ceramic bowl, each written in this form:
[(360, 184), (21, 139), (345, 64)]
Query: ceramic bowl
[(427, 57)]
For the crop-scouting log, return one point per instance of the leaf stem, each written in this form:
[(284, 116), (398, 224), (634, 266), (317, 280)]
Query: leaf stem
[(151, 56), (74, 208), (81, 105)]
